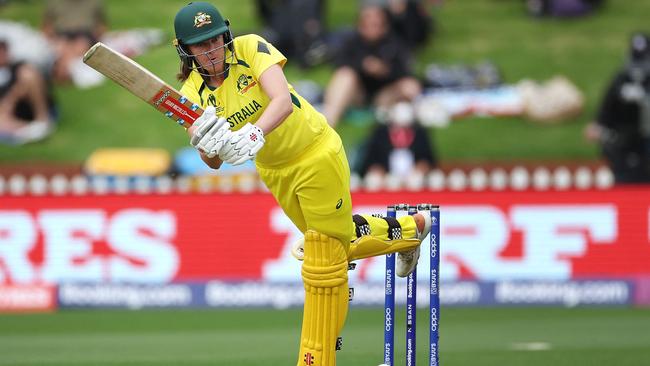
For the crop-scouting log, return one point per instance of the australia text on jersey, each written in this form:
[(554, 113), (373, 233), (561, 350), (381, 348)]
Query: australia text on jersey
[(241, 116)]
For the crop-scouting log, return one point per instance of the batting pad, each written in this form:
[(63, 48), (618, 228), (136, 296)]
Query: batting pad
[(370, 246), (325, 277)]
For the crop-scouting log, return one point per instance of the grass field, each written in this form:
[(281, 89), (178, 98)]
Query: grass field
[(476, 337), (587, 50)]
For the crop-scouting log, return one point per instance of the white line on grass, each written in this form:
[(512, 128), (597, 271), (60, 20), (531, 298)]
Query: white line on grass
[(530, 346)]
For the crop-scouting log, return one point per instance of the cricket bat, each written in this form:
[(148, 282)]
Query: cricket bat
[(142, 83)]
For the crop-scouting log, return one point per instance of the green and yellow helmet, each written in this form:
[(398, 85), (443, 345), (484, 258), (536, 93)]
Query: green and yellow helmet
[(197, 22)]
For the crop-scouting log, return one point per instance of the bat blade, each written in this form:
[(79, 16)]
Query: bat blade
[(142, 83)]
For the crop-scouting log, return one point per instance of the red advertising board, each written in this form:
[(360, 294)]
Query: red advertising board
[(188, 237), (30, 298)]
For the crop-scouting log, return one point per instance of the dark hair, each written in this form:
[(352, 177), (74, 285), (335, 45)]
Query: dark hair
[(186, 68), (184, 73)]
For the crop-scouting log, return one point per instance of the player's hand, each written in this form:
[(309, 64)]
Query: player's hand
[(209, 132), (242, 145), (202, 124)]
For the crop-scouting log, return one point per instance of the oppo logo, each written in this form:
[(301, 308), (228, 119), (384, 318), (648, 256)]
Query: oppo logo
[(434, 320), (388, 317), (434, 245)]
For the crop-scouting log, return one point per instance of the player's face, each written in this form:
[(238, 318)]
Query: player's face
[(210, 54)]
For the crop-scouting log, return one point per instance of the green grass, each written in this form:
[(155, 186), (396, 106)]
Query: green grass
[(587, 50), (478, 337)]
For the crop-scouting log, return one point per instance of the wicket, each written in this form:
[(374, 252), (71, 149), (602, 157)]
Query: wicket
[(411, 295)]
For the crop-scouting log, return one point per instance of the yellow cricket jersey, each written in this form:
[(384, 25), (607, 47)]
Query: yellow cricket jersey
[(241, 99)]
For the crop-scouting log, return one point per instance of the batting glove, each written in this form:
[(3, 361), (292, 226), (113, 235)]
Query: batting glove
[(211, 132), (242, 145)]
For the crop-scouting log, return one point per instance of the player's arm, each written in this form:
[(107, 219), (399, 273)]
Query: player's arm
[(275, 85), (248, 140)]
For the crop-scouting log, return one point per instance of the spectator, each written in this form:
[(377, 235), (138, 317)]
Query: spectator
[(623, 122), (411, 21), (26, 106), (399, 147), (296, 27), (72, 26), (373, 65), (562, 8)]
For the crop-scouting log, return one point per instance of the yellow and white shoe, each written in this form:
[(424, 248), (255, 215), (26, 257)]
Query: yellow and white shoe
[(407, 260)]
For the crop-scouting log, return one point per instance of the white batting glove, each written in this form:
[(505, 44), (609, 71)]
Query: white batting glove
[(203, 124), (211, 132), (242, 145)]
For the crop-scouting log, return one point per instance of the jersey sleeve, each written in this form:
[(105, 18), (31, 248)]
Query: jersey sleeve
[(191, 91), (260, 54)]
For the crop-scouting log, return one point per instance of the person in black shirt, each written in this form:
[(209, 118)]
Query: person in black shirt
[(411, 21), (399, 147), (623, 121), (295, 27), (373, 65)]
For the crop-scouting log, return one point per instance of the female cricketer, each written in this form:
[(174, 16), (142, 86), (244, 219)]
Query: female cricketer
[(252, 112)]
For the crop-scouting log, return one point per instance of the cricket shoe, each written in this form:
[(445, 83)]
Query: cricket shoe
[(407, 260)]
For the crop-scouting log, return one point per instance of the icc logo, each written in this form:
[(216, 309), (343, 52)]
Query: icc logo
[(212, 100)]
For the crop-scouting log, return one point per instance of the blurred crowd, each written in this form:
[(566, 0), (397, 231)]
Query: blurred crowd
[(34, 61), (27, 109), (373, 69), (372, 64)]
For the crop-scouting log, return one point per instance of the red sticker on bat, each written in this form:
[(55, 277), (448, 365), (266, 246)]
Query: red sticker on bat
[(175, 106)]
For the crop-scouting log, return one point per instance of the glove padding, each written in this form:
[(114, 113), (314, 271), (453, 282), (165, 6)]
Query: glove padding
[(211, 132), (242, 145)]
